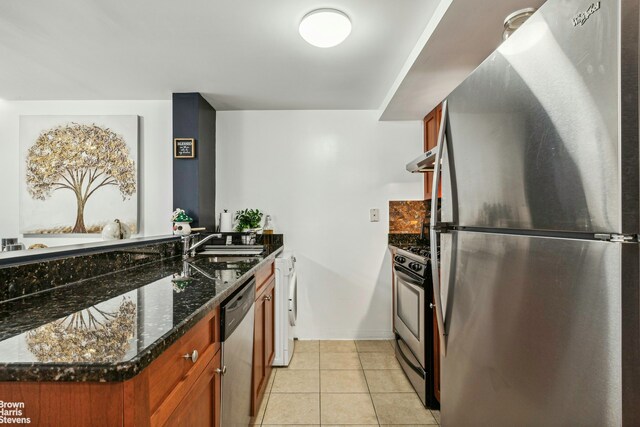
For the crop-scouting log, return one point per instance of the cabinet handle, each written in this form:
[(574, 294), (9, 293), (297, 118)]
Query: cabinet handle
[(193, 356), (221, 371), (267, 298)]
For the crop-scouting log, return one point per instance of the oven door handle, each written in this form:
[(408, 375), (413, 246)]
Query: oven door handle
[(406, 359), (408, 279), (435, 264)]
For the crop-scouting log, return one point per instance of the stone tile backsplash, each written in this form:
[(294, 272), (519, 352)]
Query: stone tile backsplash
[(407, 216)]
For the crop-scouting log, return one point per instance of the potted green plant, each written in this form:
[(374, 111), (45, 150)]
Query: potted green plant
[(248, 220)]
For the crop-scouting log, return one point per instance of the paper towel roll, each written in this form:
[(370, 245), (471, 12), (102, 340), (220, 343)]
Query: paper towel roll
[(225, 222), (228, 276)]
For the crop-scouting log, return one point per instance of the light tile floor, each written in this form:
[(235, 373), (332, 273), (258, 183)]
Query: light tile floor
[(335, 383)]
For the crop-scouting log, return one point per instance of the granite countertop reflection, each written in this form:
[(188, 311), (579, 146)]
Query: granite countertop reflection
[(109, 328)]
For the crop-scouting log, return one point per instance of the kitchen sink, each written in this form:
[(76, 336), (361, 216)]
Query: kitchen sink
[(229, 259)]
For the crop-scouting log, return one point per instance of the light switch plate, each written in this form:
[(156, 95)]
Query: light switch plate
[(374, 215)]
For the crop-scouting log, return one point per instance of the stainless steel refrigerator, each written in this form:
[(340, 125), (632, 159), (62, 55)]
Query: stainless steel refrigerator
[(537, 294)]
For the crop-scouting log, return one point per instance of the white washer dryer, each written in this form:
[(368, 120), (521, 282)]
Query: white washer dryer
[(286, 309)]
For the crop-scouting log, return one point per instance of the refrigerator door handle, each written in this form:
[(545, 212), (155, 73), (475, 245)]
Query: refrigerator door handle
[(435, 274)]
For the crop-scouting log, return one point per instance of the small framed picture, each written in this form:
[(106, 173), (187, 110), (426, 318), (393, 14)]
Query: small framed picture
[(184, 148)]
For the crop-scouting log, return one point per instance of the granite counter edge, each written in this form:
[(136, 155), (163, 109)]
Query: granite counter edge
[(121, 371)]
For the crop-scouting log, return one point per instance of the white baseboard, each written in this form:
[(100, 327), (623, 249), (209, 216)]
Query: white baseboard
[(345, 335)]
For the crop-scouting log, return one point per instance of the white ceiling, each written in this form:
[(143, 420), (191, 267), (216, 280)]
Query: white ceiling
[(241, 54), (461, 34)]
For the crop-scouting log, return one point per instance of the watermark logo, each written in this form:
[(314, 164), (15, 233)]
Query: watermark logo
[(582, 17), (13, 413)]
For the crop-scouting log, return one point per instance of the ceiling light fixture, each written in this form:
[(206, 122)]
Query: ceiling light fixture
[(325, 27)]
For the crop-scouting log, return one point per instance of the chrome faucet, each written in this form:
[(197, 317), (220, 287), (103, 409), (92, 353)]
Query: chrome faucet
[(190, 250)]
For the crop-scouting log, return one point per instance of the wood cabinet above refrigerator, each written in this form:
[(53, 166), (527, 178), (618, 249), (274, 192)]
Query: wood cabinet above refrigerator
[(431, 123)]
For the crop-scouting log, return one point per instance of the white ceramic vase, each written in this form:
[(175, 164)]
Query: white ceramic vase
[(181, 228), (115, 230)]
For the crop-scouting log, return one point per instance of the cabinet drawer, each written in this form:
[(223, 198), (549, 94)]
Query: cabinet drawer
[(200, 407), (171, 375), (264, 276)]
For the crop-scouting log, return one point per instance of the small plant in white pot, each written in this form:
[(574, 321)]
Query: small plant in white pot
[(248, 220)]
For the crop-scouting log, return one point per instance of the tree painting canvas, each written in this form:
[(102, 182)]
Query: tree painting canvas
[(78, 173)]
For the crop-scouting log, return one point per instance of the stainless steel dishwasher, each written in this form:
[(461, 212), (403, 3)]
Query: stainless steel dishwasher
[(236, 328)]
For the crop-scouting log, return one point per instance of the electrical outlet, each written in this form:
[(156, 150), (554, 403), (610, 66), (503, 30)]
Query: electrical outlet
[(374, 215)]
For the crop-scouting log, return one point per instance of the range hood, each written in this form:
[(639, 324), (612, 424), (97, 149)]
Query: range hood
[(424, 162)]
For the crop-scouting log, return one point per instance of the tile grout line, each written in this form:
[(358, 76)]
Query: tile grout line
[(319, 370), (266, 404), (319, 387), (368, 388), (275, 374)]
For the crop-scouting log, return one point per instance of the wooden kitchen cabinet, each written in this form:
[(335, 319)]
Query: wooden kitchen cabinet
[(257, 377), (264, 276), (171, 391), (269, 321), (431, 123), (201, 405), (67, 404), (264, 334), (171, 386)]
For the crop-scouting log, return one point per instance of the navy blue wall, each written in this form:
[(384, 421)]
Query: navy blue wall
[(194, 180)]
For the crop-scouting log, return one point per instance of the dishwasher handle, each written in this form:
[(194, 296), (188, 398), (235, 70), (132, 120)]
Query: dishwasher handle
[(236, 307)]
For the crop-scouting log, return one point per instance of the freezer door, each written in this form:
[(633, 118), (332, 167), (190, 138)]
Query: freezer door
[(534, 130), (534, 331)]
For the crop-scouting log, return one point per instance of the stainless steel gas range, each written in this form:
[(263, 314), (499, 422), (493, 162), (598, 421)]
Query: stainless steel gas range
[(413, 320)]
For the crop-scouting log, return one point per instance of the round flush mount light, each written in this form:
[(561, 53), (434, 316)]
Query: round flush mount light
[(325, 27)]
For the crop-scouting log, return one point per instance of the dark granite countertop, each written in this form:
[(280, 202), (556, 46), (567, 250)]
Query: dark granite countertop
[(396, 239), (405, 241), (109, 328)]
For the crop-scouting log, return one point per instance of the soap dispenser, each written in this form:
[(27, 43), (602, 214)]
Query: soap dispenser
[(268, 225)]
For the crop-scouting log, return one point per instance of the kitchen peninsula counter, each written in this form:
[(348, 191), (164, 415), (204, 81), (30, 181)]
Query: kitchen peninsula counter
[(109, 328)]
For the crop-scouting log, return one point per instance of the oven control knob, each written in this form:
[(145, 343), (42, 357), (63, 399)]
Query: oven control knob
[(400, 259), (415, 266)]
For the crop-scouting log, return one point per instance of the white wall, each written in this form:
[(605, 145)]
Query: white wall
[(155, 160), (318, 173)]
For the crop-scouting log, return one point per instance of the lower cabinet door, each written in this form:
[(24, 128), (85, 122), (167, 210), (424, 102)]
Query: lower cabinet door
[(201, 406), (258, 355), (263, 343), (269, 327)]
